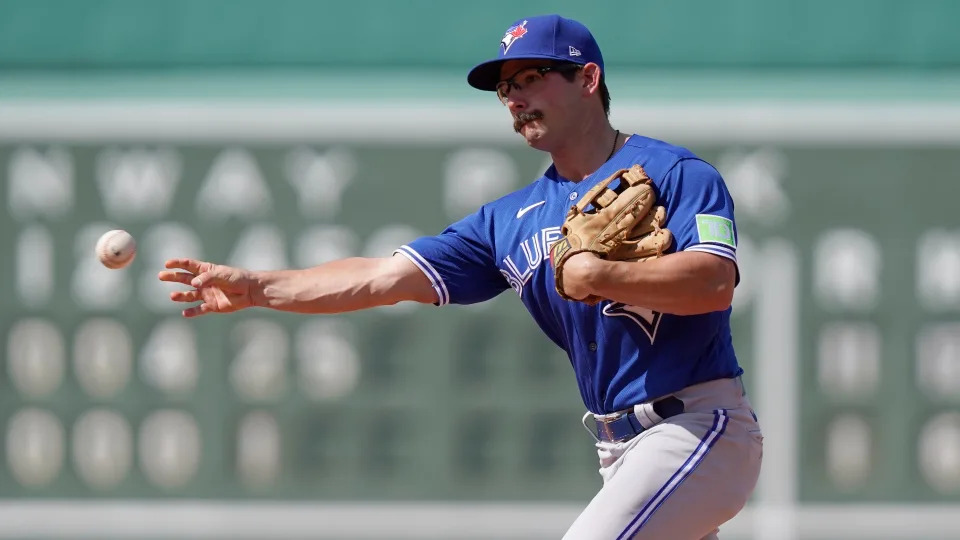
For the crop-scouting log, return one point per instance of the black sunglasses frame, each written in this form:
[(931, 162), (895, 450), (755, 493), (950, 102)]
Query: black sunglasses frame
[(542, 70)]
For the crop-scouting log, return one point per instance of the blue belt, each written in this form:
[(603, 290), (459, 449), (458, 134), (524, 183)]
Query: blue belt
[(625, 425)]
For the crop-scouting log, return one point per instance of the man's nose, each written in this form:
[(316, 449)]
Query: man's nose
[(516, 103)]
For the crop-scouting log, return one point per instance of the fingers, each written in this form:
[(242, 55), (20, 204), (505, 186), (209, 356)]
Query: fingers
[(205, 278), (198, 274), (186, 296), (196, 311), (215, 276), (192, 295), (190, 265), (175, 277)]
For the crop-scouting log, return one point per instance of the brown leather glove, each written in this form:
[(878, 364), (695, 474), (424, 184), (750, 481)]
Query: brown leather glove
[(623, 225)]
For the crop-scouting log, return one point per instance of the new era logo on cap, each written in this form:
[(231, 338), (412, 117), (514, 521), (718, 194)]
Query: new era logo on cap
[(574, 51)]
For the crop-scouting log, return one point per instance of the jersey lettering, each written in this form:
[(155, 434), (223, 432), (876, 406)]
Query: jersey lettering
[(533, 250), (536, 257), (516, 276)]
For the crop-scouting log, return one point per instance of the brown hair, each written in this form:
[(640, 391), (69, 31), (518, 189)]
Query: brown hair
[(604, 91)]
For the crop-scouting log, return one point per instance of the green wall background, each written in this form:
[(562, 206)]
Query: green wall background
[(120, 34)]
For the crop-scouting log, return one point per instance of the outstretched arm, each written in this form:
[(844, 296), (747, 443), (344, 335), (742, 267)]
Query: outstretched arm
[(685, 283), (335, 287)]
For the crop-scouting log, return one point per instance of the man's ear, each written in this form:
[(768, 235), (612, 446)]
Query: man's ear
[(591, 77)]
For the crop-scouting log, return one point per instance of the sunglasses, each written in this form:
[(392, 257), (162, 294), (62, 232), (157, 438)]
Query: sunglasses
[(528, 78)]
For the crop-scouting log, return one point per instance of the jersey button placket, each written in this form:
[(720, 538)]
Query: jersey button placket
[(592, 346)]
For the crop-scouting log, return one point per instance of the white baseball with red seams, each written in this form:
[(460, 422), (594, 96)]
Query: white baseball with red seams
[(116, 249)]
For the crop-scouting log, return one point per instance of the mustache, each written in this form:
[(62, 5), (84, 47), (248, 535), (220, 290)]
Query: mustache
[(522, 118)]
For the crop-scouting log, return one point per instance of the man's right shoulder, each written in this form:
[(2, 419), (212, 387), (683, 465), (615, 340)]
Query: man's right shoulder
[(519, 196)]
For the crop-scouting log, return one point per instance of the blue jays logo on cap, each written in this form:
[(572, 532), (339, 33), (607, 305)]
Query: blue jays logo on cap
[(513, 33), (547, 37)]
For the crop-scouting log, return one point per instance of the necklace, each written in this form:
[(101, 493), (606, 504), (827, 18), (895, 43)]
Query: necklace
[(614, 149)]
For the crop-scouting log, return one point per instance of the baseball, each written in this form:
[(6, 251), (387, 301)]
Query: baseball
[(116, 249)]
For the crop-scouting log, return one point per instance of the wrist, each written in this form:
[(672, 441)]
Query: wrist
[(580, 274), (593, 272), (258, 289)]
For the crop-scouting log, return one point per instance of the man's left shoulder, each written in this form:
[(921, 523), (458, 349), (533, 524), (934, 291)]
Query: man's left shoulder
[(659, 157), (651, 146)]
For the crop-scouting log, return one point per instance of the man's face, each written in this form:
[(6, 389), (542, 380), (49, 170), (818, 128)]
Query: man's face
[(538, 97)]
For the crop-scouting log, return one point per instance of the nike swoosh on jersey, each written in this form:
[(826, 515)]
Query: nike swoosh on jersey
[(526, 209)]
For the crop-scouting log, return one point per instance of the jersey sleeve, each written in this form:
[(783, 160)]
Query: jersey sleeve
[(699, 209), (459, 261)]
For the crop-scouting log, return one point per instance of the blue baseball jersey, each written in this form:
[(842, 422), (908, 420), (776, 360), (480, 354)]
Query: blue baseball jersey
[(621, 354)]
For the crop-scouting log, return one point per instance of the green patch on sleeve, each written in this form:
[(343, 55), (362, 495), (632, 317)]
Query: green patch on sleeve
[(716, 229)]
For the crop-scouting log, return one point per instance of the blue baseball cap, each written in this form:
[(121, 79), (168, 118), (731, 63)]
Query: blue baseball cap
[(550, 37)]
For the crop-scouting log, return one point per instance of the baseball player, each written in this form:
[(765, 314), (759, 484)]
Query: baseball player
[(646, 330)]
